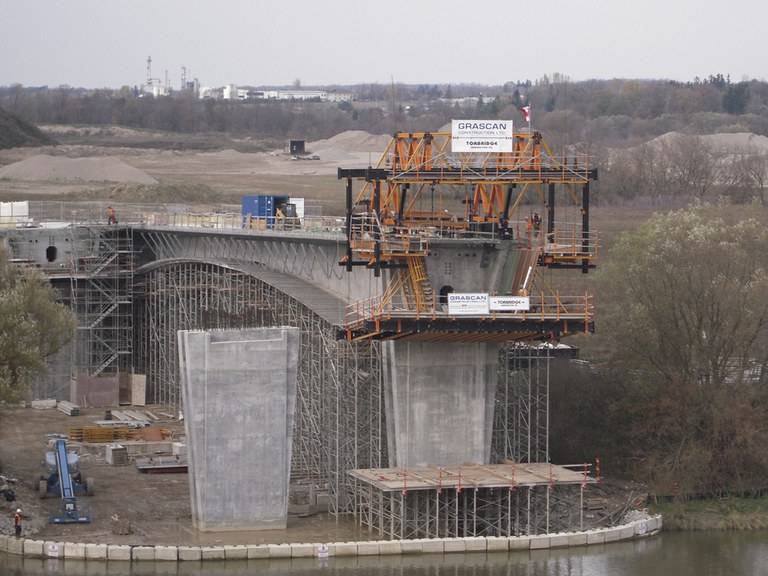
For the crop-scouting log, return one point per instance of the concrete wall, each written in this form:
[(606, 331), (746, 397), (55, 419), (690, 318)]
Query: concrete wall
[(239, 392), (440, 402)]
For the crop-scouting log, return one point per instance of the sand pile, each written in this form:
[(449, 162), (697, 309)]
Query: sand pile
[(353, 141), (44, 168)]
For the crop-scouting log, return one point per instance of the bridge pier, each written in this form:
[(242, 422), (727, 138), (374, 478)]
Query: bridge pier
[(439, 402)]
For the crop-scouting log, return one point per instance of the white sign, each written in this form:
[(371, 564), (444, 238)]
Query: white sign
[(510, 303), (482, 136), (469, 303)]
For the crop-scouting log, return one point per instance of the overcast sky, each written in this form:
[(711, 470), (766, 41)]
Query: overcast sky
[(104, 43)]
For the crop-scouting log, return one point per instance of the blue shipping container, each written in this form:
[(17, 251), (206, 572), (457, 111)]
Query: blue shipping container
[(260, 210)]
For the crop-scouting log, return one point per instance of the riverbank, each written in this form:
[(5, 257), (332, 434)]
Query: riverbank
[(719, 514), (641, 526)]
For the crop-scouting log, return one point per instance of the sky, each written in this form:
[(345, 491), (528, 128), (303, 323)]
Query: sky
[(106, 44)]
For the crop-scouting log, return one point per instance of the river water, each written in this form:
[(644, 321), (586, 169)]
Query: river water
[(669, 554)]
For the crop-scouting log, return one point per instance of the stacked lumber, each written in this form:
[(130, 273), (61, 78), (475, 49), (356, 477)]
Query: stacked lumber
[(68, 408), (98, 434)]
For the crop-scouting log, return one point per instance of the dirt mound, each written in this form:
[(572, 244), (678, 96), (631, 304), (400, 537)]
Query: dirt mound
[(353, 141), (45, 168), (15, 132)]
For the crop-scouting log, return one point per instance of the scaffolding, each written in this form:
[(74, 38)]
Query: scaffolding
[(101, 276), (521, 414), (469, 501), (339, 422)]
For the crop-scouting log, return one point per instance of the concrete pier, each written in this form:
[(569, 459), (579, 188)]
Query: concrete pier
[(440, 402), (239, 393)]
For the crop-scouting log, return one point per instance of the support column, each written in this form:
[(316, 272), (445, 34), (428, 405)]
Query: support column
[(239, 393), (440, 400)]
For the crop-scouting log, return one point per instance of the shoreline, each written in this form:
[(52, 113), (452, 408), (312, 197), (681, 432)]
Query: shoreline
[(641, 527)]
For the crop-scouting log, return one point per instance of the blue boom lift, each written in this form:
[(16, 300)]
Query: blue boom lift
[(65, 478)]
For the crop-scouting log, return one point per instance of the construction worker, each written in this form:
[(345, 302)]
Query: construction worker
[(111, 218), (17, 522), (528, 229)]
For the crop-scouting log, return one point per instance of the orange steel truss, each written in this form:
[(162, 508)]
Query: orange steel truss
[(421, 191)]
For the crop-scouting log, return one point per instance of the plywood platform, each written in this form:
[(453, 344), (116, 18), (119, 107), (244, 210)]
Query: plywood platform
[(470, 476)]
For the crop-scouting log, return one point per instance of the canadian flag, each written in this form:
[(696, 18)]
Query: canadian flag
[(526, 110)]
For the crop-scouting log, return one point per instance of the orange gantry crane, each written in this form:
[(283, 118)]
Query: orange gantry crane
[(421, 192)]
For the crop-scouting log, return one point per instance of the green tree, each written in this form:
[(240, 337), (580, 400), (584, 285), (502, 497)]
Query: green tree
[(33, 327), (686, 295)]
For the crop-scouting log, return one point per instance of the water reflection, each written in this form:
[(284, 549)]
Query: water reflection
[(671, 554)]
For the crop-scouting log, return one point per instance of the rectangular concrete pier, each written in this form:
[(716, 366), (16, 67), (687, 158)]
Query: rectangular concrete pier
[(239, 393)]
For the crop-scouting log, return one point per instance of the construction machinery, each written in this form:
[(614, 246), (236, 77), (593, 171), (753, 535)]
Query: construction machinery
[(65, 478), (516, 212)]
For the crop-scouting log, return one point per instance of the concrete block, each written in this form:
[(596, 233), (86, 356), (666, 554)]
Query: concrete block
[(4, 542), (143, 553), (612, 534), (16, 545), (239, 552), (74, 551), (432, 545), (497, 544), (539, 542), (559, 541), (454, 545), (303, 550), (167, 553), (257, 551), (119, 552), (190, 554), (475, 544), (368, 548), (33, 548), (626, 532), (390, 547), (519, 543), (577, 539), (95, 551), (345, 549), (279, 550), (595, 537), (411, 547), (53, 549), (212, 552)]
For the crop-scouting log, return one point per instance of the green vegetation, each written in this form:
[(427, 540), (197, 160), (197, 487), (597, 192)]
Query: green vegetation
[(714, 514), (33, 327)]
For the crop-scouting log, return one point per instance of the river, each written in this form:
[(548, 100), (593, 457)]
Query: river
[(669, 554)]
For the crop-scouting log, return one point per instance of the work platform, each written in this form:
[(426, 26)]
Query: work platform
[(470, 500)]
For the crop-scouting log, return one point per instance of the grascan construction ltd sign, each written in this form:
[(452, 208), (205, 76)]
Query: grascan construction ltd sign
[(469, 303), (482, 136)]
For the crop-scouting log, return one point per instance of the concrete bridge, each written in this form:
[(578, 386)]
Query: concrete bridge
[(437, 393)]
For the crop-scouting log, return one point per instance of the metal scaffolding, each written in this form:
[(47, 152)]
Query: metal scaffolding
[(455, 502), (101, 276), (521, 415), (339, 423)]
